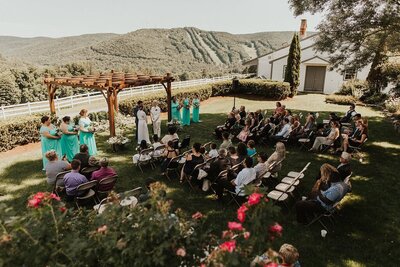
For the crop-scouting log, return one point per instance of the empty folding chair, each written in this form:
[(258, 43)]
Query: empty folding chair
[(326, 214), (108, 183), (305, 142), (173, 165), (185, 143), (85, 192), (356, 150)]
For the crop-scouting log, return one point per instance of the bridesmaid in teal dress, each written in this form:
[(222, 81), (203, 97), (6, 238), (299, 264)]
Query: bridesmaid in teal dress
[(175, 109), (49, 138), (86, 132), (186, 111), (196, 109), (69, 139)]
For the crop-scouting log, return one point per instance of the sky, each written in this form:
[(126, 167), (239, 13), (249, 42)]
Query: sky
[(55, 18)]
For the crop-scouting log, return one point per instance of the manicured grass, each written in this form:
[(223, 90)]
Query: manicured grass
[(365, 234)]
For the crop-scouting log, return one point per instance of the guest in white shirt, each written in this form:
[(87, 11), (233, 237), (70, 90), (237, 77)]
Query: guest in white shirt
[(261, 167), (244, 177), (284, 132), (170, 136), (213, 153), (155, 112)]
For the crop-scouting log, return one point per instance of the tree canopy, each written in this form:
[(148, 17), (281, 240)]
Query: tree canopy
[(355, 32)]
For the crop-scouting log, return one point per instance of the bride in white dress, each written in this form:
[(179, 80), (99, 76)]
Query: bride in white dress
[(143, 131)]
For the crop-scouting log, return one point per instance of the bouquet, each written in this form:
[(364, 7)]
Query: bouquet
[(178, 107), (58, 132), (196, 105), (91, 129), (118, 140)]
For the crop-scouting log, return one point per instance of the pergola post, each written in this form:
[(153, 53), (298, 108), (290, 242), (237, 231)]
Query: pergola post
[(168, 89), (110, 105), (51, 90), (115, 93)]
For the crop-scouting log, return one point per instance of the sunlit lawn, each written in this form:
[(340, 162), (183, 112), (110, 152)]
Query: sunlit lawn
[(367, 230)]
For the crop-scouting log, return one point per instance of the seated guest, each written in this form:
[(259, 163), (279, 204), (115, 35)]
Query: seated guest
[(295, 127), (344, 167), (143, 145), (220, 164), (170, 152), (230, 121), (233, 156), (308, 126), (284, 132), (213, 151), (288, 114), (264, 130), (55, 166), (156, 145), (83, 156), (226, 142), (73, 179), (349, 114), (237, 117), (287, 253), (278, 155), (357, 139), (242, 113), (192, 160), (244, 177), (253, 121), (327, 171), (261, 166), (104, 172), (241, 151), (328, 140), (170, 136), (244, 133), (258, 115), (279, 110), (325, 200), (251, 148)]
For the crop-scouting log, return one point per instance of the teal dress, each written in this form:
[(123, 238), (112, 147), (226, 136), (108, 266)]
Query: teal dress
[(87, 137), (70, 143), (196, 110), (186, 112), (49, 143), (175, 112)]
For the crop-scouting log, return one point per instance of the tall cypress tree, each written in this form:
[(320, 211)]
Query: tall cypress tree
[(292, 72)]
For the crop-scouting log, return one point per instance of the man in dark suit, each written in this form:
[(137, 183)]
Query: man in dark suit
[(134, 114), (344, 168), (349, 114)]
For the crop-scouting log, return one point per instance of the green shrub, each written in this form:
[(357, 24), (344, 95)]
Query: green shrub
[(269, 89), (354, 88), (393, 105), (375, 98), (340, 99), (21, 131)]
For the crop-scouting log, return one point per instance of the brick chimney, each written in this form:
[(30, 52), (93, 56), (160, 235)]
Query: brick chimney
[(303, 28)]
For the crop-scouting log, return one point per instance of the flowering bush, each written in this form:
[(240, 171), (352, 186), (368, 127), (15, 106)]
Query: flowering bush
[(393, 104)]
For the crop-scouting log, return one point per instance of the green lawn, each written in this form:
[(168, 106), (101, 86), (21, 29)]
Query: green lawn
[(367, 232)]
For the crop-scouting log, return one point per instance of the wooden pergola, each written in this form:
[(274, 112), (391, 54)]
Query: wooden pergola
[(109, 84)]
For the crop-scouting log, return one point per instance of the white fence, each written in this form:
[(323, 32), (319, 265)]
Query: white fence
[(90, 98)]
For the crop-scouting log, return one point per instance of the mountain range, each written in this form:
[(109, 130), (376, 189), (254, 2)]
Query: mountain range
[(176, 50)]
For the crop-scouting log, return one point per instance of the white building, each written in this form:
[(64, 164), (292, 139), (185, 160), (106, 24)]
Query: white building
[(315, 74)]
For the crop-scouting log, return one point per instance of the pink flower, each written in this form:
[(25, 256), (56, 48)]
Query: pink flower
[(227, 234), (181, 252), (54, 196), (246, 235), (39, 195), (197, 215), (241, 213), (228, 246), (254, 199), (235, 226), (276, 228), (272, 264), (63, 209), (34, 202), (266, 199), (102, 229)]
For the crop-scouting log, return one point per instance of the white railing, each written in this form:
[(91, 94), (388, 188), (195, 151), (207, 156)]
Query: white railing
[(93, 97)]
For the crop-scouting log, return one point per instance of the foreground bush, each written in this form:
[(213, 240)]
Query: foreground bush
[(340, 99), (268, 89), (48, 234)]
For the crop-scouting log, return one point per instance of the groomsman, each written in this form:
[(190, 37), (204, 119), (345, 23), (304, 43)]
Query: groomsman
[(135, 110), (155, 112)]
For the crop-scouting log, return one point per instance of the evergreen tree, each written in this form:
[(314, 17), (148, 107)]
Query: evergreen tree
[(356, 33), (292, 71)]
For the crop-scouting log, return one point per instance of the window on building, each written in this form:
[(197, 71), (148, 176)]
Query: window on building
[(284, 71), (350, 74)]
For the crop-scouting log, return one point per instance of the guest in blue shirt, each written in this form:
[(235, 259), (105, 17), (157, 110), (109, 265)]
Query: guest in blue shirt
[(284, 132)]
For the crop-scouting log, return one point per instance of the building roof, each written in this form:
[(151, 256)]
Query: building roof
[(283, 47)]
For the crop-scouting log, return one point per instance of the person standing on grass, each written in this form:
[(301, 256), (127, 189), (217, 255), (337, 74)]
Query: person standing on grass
[(196, 109), (143, 131), (134, 114), (69, 138), (49, 138), (86, 132), (175, 109), (186, 111), (155, 112)]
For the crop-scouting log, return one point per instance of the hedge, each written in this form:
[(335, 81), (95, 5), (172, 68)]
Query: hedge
[(24, 130), (268, 89)]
